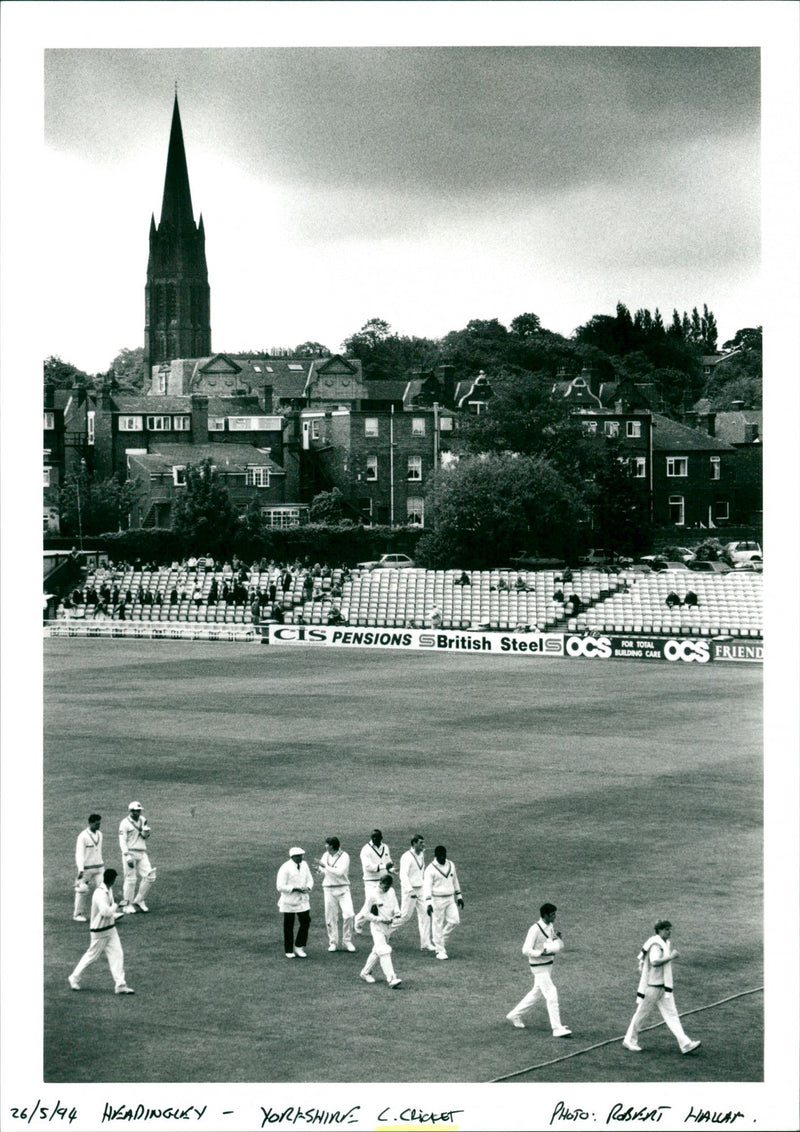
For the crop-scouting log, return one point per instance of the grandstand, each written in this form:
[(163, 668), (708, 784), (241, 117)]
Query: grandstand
[(626, 602)]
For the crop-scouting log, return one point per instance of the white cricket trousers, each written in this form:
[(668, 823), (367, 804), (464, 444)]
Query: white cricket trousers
[(657, 996), (141, 870), (92, 878), (109, 943), (445, 917), (381, 952), (338, 899), (372, 893), (543, 986), (412, 899)]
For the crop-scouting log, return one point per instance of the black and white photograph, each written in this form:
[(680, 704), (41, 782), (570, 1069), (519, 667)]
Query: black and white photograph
[(425, 755)]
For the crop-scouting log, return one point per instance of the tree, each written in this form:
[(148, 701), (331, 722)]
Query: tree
[(620, 503), (91, 507), (526, 326), (311, 350), (63, 375), (487, 508), (129, 369), (204, 519), (327, 507)]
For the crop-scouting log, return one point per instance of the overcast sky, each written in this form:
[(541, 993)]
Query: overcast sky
[(426, 186)]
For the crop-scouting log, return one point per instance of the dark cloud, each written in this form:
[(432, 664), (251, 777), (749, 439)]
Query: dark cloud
[(458, 120)]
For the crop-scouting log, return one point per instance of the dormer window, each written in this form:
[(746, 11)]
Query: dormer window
[(179, 475)]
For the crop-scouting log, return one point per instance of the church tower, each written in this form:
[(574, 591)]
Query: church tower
[(177, 295)]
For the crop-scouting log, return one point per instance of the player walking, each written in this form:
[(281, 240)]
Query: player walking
[(541, 945), (655, 989), (442, 896), (133, 834), (89, 863)]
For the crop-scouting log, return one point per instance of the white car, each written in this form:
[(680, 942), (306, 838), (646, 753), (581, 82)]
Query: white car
[(743, 551), (388, 562)]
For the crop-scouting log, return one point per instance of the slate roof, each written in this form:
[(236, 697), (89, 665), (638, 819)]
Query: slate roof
[(732, 427), (227, 457), (669, 436)]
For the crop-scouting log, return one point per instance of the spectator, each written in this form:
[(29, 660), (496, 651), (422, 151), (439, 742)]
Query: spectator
[(673, 599), (566, 575), (286, 580), (213, 592), (558, 595), (464, 580), (173, 596), (272, 591), (691, 598)]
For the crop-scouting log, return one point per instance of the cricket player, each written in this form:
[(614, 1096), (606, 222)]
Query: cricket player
[(104, 936), (334, 867), (89, 865), (655, 989), (133, 834), (542, 944), (376, 862), (383, 916), (443, 900), (412, 870)]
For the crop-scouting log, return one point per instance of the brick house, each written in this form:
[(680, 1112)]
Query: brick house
[(380, 460), (246, 472)]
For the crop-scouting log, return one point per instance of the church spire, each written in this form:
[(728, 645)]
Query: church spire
[(176, 205), (177, 295)]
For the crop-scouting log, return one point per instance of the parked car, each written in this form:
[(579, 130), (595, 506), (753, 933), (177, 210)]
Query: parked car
[(532, 561), (658, 563), (701, 566), (596, 557), (389, 562), (743, 551), (754, 566)]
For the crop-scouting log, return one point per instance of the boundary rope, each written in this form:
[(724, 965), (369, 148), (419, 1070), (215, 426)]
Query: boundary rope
[(612, 1041)]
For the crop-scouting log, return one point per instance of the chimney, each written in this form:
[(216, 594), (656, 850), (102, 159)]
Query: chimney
[(447, 376), (268, 400), (592, 380), (199, 418)]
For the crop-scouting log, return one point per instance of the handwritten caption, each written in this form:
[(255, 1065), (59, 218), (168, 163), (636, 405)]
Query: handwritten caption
[(622, 1114)]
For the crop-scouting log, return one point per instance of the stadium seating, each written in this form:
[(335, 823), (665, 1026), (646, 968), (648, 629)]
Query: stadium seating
[(627, 602)]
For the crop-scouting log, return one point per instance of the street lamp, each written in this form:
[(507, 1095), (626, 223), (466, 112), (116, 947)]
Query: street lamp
[(78, 491)]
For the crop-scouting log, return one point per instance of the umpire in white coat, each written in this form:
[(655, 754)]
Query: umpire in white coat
[(294, 884)]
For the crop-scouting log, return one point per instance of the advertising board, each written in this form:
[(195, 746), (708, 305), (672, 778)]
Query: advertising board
[(441, 640)]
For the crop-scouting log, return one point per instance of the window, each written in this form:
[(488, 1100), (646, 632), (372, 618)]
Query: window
[(162, 382), (415, 467), (315, 430), (257, 476), (46, 477), (182, 424), (130, 424), (721, 509), (677, 465), (257, 368), (281, 516), (417, 426), (179, 475), (612, 428), (216, 424), (446, 424), (590, 427), (633, 428), (159, 424), (714, 467), (239, 424), (49, 420), (370, 426), (415, 510), (295, 366), (638, 467), (676, 510), (372, 467), (90, 426), (48, 452)]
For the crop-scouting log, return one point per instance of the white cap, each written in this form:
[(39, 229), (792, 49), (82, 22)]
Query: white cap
[(294, 852), (135, 806)]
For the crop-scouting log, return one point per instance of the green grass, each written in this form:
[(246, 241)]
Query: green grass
[(623, 792)]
